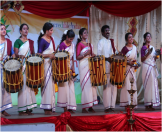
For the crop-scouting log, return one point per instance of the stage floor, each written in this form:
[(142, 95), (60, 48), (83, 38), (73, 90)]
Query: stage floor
[(98, 108)]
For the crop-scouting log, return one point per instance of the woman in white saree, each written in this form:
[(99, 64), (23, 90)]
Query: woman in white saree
[(46, 47), (89, 92), (66, 91), (5, 45), (130, 51), (23, 47), (149, 74)]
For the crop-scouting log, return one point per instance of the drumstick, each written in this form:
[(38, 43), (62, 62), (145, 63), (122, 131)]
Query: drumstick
[(57, 47), (117, 49)]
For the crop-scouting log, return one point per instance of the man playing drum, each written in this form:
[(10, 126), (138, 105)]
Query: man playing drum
[(106, 47)]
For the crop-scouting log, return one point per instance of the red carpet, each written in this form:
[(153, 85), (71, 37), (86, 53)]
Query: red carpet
[(111, 122)]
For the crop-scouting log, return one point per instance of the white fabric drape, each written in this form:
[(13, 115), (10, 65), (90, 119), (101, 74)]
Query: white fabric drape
[(149, 22)]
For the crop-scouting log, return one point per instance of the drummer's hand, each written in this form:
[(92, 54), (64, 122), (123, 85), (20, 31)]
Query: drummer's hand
[(93, 55), (131, 63), (38, 53), (22, 57), (88, 52), (51, 56), (108, 59)]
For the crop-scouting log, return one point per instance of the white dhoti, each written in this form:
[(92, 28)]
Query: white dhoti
[(109, 94)]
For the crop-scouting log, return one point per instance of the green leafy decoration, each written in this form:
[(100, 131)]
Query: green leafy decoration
[(3, 22), (7, 31)]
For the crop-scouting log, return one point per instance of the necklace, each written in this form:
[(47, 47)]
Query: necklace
[(24, 39), (48, 38), (67, 44), (84, 42), (2, 41)]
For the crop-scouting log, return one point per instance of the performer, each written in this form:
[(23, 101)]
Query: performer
[(149, 74), (106, 47), (83, 51), (66, 92), (23, 47), (130, 51), (6, 50), (46, 47)]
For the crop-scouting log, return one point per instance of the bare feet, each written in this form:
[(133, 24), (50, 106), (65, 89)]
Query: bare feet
[(23, 114), (2, 115), (152, 109), (91, 110), (72, 112), (49, 113), (149, 108), (84, 111), (65, 109), (107, 110), (5, 113), (112, 110), (29, 112)]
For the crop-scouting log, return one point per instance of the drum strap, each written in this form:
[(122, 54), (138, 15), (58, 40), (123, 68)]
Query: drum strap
[(112, 44), (53, 43), (31, 45), (9, 45), (90, 48)]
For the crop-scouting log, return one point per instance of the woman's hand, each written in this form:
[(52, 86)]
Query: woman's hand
[(87, 53), (21, 57), (39, 54), (51, 56), (93, 55), (131, 63)]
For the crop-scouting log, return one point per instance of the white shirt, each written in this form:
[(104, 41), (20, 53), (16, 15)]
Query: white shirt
[(104, 48)]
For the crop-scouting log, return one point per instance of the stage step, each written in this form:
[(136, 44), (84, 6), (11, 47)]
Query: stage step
[(29, 127)]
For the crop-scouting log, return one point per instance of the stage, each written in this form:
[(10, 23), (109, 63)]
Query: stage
[(112, 121), (98, 108)]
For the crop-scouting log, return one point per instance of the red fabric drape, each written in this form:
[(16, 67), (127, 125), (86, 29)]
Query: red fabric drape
[(55, 9), (127, 8), (65, 9), (111, 122), (59, 121)]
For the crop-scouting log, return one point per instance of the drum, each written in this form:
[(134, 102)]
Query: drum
[(61, 67), (35, 71), (97, 70), (118, 70), (12, 75)]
